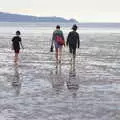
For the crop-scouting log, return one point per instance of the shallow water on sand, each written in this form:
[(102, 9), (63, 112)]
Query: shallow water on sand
[(38, 89)]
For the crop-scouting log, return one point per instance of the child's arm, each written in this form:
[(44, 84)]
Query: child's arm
[(21, 45), (78, 41), (68, 37), (53, 38)]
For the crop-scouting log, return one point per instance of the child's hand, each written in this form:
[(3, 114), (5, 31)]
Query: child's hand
[(22, 46)]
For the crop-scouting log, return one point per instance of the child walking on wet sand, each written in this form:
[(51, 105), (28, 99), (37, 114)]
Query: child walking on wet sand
[(16, 42), (73, 41), (58, 40)]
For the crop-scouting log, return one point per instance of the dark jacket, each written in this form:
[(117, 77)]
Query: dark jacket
[(73, 39), (16, 42)]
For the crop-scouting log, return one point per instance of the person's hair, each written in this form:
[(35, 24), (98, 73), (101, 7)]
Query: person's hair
[(74, 27), (58, 26), (18, 32)]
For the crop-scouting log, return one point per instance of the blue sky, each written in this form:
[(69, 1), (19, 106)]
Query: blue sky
[(82, 10)]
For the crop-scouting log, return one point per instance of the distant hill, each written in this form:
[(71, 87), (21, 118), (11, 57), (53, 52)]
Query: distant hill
[(100, 25), (7, 17)]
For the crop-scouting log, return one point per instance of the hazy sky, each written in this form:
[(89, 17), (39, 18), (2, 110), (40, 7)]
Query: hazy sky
[(82, 10)]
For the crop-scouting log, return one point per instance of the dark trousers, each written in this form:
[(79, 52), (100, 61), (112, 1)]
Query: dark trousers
[(72, 49)]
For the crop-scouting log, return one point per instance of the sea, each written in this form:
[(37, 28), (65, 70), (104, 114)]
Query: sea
[(37, 88)]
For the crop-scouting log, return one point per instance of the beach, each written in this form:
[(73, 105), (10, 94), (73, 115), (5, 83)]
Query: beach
[(38, 89)]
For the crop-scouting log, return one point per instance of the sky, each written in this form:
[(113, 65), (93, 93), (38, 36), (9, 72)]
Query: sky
[(81, 10)]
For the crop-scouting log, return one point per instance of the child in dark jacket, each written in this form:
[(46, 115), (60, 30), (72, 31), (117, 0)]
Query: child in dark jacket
[(73, 40), (16, 42)]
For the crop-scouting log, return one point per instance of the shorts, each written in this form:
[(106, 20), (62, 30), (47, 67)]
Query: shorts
[(57, 45), (17, 51)]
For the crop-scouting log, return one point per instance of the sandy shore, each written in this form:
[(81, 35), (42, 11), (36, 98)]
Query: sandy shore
[(36, 89)]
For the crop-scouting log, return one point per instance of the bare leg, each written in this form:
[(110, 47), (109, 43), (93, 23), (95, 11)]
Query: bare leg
[(60, 54), (56, 54), (74, 53), (16, 57)]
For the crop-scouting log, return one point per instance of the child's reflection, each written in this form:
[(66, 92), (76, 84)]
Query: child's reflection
[(16, 83), (57, 80), (72, 82)]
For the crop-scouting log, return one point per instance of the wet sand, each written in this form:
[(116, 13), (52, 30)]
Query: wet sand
[(37, 89)]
